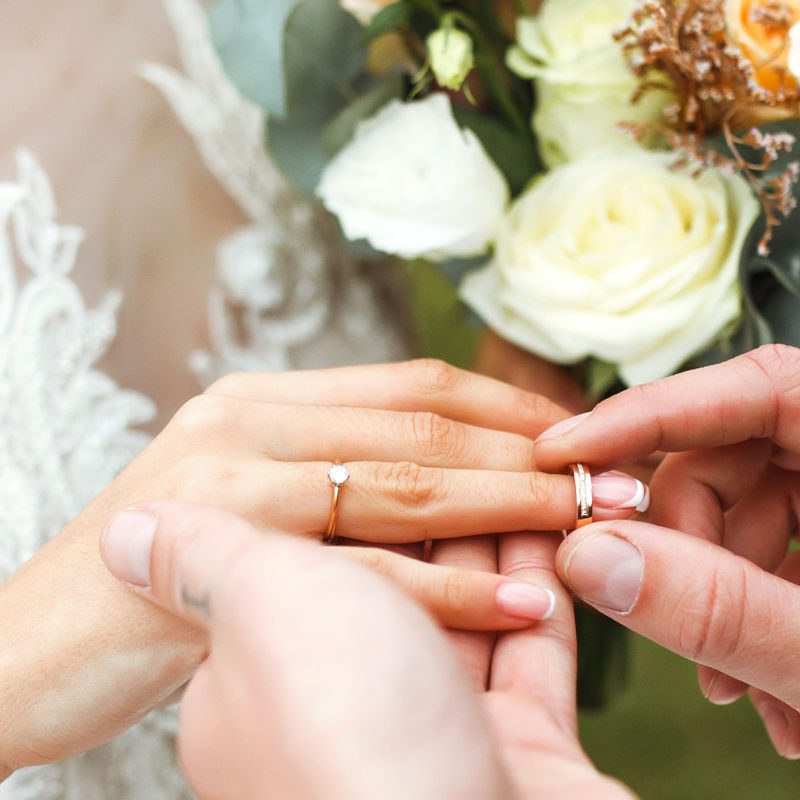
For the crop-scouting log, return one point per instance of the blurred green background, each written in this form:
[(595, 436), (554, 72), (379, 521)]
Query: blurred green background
[(660, 736)]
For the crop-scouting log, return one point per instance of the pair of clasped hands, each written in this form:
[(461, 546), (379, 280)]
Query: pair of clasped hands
[(316, 673), (325, 681)]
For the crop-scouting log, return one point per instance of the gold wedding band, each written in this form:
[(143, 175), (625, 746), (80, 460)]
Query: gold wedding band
[(338, 475), (583, 494)]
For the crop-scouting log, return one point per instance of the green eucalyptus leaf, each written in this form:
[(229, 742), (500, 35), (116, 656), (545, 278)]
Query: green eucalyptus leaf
[(515, 154), (294, 58), (389, 19), (340, 130), (297, 149)]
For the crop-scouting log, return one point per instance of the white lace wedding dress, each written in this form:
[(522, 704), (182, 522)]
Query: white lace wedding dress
[(285, 295)]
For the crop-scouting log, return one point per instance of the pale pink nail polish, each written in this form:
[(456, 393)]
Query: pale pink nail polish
[(526, 601), (563, 428), (616, 491), (126, 545)]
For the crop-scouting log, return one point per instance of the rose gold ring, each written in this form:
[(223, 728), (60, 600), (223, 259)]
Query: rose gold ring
[(583, 494), (338, 475)]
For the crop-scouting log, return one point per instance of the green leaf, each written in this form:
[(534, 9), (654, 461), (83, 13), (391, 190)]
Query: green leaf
[(341, 129), (294, 58), (515, 154), (302, 147), (296, 147), (771, 284), (387, 20), (600, 378)]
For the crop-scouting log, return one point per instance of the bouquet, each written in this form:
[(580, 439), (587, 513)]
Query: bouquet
[(612, 183)]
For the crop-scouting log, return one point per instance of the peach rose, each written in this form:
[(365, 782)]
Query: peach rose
[(761, 29)]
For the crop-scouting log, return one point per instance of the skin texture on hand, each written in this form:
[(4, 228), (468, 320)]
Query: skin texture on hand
[(433, 451), (732, 481), (340, 687)]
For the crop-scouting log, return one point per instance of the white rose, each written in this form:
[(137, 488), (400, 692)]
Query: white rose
[(416, 185), (364, 10), (585, 85), (620, 257)]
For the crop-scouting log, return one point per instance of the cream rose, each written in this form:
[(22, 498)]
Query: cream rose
[(364, 10), (416, 185), (620, 257), (584, 82)]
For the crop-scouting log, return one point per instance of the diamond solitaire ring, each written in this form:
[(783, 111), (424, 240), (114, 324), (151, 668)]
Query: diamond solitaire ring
[(338, 475)]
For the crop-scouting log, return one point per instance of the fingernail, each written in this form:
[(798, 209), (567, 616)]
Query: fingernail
[(126, 544), (526, 601), (779, 728), (616, 490), (722, 690), (563, 428), (605, 570)]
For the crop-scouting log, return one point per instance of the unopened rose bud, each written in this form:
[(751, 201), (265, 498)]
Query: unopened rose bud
[(451, 56)]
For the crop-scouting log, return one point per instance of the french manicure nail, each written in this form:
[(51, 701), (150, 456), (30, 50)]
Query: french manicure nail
[(779, 729), (126, 544), (563, 428), (605, 570), (526, 601), (616, 490)]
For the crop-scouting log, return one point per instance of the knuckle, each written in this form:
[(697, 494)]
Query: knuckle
[(433, 376), (437, 437), (234, 384), (454, 591), (774, 357), (204, 414), (709, 617), (540, 487), (374, 559), (407, 483)]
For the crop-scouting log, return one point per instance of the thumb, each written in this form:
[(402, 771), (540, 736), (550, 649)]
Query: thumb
[(693, 597), (175, 553)]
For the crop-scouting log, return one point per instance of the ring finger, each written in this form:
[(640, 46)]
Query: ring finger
[(401, 502)]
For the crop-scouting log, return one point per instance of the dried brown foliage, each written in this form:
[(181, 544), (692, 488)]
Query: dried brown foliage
[(686, 47)]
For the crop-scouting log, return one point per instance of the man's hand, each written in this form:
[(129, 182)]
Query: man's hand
[(733, 480), (324, 681)]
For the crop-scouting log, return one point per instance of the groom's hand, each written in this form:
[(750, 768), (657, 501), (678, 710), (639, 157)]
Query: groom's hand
[(322, 681), (734, 431), (702, 602)]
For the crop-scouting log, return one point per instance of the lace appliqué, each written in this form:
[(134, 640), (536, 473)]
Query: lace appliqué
[(66, 430), (288, 295), (65, 427)]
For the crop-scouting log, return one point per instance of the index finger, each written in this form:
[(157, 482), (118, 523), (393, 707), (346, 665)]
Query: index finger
[(754, 396)]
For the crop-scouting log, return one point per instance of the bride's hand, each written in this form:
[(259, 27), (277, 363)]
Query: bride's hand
[(433, 453), (735, 483)]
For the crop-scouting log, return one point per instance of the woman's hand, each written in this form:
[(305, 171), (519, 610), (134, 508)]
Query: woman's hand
[(433, 453), (322, 681), (736, 484)]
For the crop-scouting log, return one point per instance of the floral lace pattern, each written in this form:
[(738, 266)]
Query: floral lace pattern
[(288, 294), (65, 427), (66, 430)]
